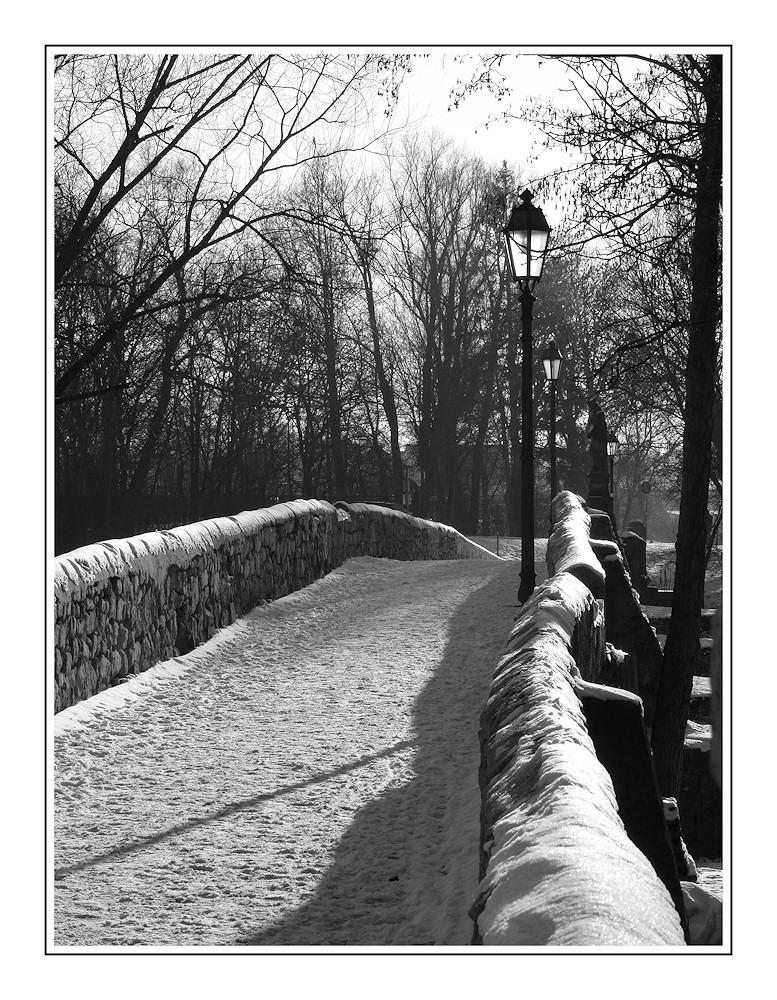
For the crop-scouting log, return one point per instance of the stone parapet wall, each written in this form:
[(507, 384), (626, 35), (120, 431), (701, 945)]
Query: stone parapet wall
[(574, 850), (557, 865), (599, 564), (372, 530), (628, 628), (123, 605), (569, 545)]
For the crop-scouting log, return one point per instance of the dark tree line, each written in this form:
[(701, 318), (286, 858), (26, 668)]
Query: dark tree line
[(177, 365), (225, 339)]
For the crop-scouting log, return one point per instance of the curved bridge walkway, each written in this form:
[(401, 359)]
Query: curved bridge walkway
[(307, 777)]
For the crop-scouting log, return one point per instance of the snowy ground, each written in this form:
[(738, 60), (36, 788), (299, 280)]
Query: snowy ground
[(508, 547), (660, 558), (309, 776)]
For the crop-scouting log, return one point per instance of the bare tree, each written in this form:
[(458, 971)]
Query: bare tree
[(440, 282), (365, 222), (234, 123), (648, 131)]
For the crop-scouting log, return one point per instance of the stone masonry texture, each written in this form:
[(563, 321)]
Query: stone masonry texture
[(123, 605)]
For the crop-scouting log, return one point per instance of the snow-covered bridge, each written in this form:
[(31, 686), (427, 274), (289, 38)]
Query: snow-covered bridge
[(308, 776)]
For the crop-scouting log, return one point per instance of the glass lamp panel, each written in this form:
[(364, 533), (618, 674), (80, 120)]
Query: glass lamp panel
[(526, 264), (551, 361), (539, 241), (517, 253)]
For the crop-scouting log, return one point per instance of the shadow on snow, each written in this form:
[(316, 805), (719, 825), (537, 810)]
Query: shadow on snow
[(369, 895), (139, 845)]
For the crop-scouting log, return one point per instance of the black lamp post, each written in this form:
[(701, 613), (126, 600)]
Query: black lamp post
[(526, 238), (612, 447), (551, 362), (646, 487)]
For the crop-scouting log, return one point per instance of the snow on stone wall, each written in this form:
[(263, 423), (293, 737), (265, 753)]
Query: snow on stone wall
[(372, 530), (628, 627), (123, 605), (558, 868), (599, 563), (569, 547)]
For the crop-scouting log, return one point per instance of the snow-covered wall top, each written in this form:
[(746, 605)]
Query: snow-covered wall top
[(569, 547), (393, 534), (125, 604), (558, 867), (154, 552)]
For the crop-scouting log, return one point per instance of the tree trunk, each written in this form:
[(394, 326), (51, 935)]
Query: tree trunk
[(149, 450), (428, 463), (682, 644), (334, 422), (386, 391), (478, 478), (111, 404)]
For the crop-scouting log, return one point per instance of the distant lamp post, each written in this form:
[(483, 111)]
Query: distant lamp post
[(646, 486), (526, 239), (612, 448), (551, 362)]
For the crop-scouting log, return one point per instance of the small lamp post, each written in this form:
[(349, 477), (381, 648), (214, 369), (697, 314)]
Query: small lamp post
[(612, 448), (551, 362), (526, 239), (646, 486)]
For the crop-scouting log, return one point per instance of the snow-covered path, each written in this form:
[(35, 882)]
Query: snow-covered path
[(307, 777)]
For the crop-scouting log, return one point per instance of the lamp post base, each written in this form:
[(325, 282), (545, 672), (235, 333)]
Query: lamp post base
[(528, 583)]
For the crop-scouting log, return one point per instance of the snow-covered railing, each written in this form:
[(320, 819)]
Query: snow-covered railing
[(123, 605), (573, 844), (558, 867), (599, 563), (569, 545)]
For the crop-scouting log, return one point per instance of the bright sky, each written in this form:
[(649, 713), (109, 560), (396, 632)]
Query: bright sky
[(426, 93), (425, 97)]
